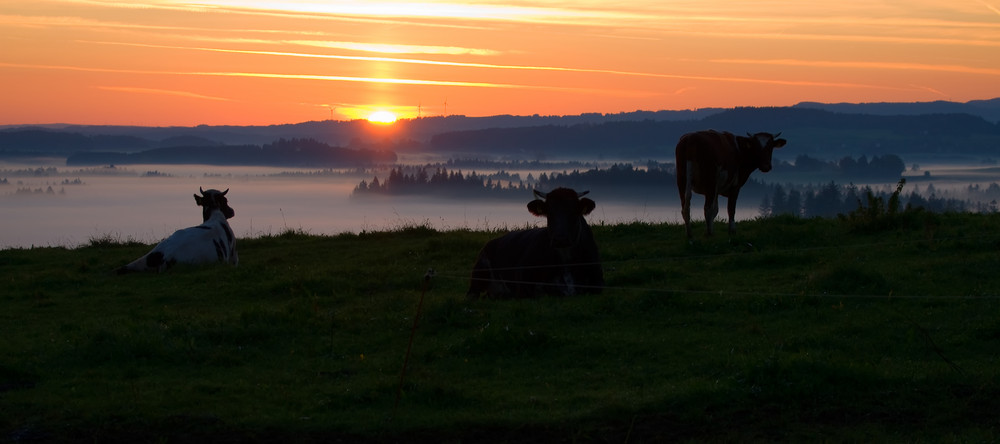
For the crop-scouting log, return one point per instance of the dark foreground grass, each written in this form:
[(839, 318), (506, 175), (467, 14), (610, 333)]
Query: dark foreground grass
[(794, 330)]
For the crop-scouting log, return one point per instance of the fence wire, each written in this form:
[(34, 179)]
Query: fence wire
[(610, 266)]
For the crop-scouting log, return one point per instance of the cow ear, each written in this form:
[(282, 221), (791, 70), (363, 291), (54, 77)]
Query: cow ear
[(198, 200), (587, 205), (537, 207), (780, 143)]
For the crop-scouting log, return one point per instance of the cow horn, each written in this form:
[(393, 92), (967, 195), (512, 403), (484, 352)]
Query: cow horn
[(579, 195), (541, 195), (777, 135), (201, 190), (224, 192)]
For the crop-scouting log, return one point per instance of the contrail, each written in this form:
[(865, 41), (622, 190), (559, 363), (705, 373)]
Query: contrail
[(388, 80), (454, 83), (864, 65), (358, 79), (493, 66), (990, 7), (163, 92)]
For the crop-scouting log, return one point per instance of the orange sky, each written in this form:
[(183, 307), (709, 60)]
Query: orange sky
[(242, 62)]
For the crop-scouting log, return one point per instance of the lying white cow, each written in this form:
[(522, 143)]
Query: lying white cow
[(211, 241)]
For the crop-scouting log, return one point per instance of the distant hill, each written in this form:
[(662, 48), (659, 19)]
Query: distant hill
[(344, 133), (817, 133), (987, 109), (939, 131), (283, 152)]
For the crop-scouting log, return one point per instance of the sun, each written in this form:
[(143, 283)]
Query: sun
[(382, 117)]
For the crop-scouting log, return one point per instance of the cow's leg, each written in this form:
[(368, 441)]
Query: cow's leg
[(686, 212), (711, 210), (731, 206), (685, 187)]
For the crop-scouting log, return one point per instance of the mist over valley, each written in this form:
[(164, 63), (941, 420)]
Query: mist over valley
[(63, 185)]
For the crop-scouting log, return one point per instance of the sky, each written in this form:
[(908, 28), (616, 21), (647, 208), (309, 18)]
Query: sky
[(258, 62)]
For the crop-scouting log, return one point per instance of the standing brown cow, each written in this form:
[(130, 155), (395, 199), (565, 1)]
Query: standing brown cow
[(713, 163)]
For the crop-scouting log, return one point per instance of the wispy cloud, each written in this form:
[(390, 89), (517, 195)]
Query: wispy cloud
[(843, 37), (393, 48), (902, 66), (76, 68), (167, 92), (930, 90), (539, 68), (658, 19), (403, 81), (77, 22), (990, 7), (384, 80), (274, 10), (363, 58), (37, 21), (415, 10)]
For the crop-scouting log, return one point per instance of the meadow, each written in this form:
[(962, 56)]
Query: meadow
[(873, 327)]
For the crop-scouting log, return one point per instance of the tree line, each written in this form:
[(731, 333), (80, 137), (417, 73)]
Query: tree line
[(659, 180), (293, 152), (831, 199), (885, 167), (442, 182)]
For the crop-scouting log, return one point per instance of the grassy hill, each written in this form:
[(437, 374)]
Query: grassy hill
[(878, 329)]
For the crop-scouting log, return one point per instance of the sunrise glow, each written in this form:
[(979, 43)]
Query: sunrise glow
[(382, 117), (252, 62)]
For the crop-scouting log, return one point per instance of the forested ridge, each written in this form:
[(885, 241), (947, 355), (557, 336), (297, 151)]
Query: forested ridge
[(820, 133)]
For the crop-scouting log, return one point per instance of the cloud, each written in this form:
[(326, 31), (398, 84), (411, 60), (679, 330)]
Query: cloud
[(76, 22), (434, 10), (865, 65), (386, 80), (162, 92), (346, 57), (990, 7), (266, 75), (499, 66), (857, 38), (392, 48)]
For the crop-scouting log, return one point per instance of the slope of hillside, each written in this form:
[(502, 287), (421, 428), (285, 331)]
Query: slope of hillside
[(872, 328)]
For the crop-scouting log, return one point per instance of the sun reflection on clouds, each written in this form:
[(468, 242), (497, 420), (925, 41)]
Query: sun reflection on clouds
[(282, 58), (402, 9)]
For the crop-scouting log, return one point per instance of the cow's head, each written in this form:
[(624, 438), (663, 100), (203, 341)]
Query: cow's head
[(212, 200), (563, 209), (764, 145)]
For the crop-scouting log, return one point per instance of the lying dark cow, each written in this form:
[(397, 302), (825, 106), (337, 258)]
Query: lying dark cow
[(559, 259), (211, 241), (713, 163)]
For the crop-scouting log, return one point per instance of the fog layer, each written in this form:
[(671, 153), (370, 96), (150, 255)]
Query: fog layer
[(147, 209)]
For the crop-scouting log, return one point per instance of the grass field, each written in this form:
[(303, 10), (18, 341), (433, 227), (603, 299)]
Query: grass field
[(793, 330)]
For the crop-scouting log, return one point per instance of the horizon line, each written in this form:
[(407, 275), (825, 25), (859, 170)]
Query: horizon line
[(438, 116)]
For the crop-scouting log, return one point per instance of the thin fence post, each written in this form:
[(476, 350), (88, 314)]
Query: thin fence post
[(413, 333)]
